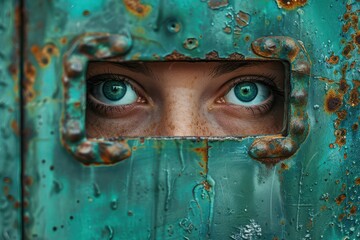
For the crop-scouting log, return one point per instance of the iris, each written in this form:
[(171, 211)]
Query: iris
[(246, 92), (114, 90)]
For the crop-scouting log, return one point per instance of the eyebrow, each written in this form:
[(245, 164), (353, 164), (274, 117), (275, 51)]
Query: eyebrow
[(226, 67), (136, 67), (222, 68)]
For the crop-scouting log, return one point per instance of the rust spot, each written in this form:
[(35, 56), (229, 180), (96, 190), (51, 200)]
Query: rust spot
[(354, 21), (344, 69), (340, 135), (340, 199), (63, 40), (331, 145), (176, 56), (216, 4), (337, 123), (327, 80), (355, 126), (86, 13), (347, 50), (236, 56), (357, 39), (43, 55), (348, 7), (353, 210), (10, 197), (242, 19), (345, 156), (343, 86), (342, 114), (343, 187), (284, 166), (15, 127), (212, 55), (333, 101), (346, 27), (227, 29), (357, 181), (26, 219), (17, 205), (7, 180), (341, 217), (291, 4), (332, 59), (30, 74), (13, 71), (137, 8), (354, 94), (28, 180), (352, 65), (206, 185), (6, 190)]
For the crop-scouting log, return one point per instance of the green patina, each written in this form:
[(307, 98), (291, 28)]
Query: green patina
[(298, 185)]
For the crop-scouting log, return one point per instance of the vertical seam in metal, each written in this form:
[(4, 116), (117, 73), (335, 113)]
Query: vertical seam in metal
[(22, 111)]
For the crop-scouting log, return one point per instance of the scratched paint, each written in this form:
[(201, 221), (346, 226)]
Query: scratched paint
[(301, 184)]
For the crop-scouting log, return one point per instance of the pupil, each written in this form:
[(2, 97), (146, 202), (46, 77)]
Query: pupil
[(246, 92), (114, 90)]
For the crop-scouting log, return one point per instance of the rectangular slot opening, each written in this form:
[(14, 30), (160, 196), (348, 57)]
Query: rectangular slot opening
[(187, 98)]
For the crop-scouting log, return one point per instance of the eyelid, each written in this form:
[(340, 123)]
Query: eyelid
[(99, 78), (267, 79)]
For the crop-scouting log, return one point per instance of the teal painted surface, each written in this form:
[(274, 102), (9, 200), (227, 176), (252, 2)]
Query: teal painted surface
[(10, 164), (192, 188)]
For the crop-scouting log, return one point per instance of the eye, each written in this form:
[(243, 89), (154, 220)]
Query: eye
[(113, 91), (248, 94)]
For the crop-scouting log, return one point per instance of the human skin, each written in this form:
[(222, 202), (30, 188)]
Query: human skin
[(185, 99)]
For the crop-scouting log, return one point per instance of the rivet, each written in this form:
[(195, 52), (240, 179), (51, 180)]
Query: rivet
[(300, 97), (85, 152), (297, 126), (301, 67), (287, 147), (72, 130), (259, 149), (191, 43), (113, 152), (173, 26), (74, 67), (120, 44)]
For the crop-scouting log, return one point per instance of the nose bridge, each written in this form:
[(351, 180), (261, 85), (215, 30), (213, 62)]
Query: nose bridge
[(181, 114)]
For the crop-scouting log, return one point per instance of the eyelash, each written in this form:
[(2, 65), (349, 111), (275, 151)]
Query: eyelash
[(107, 109), (264, 78), (267, 79)]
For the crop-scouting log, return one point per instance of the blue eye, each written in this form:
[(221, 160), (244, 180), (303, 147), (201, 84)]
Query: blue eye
[(114, 92), (248, 93)]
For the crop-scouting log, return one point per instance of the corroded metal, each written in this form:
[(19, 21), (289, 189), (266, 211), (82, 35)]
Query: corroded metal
[(10, 122), (301, 184)]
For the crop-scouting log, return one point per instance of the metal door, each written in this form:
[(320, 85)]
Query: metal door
[(57, 184)]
